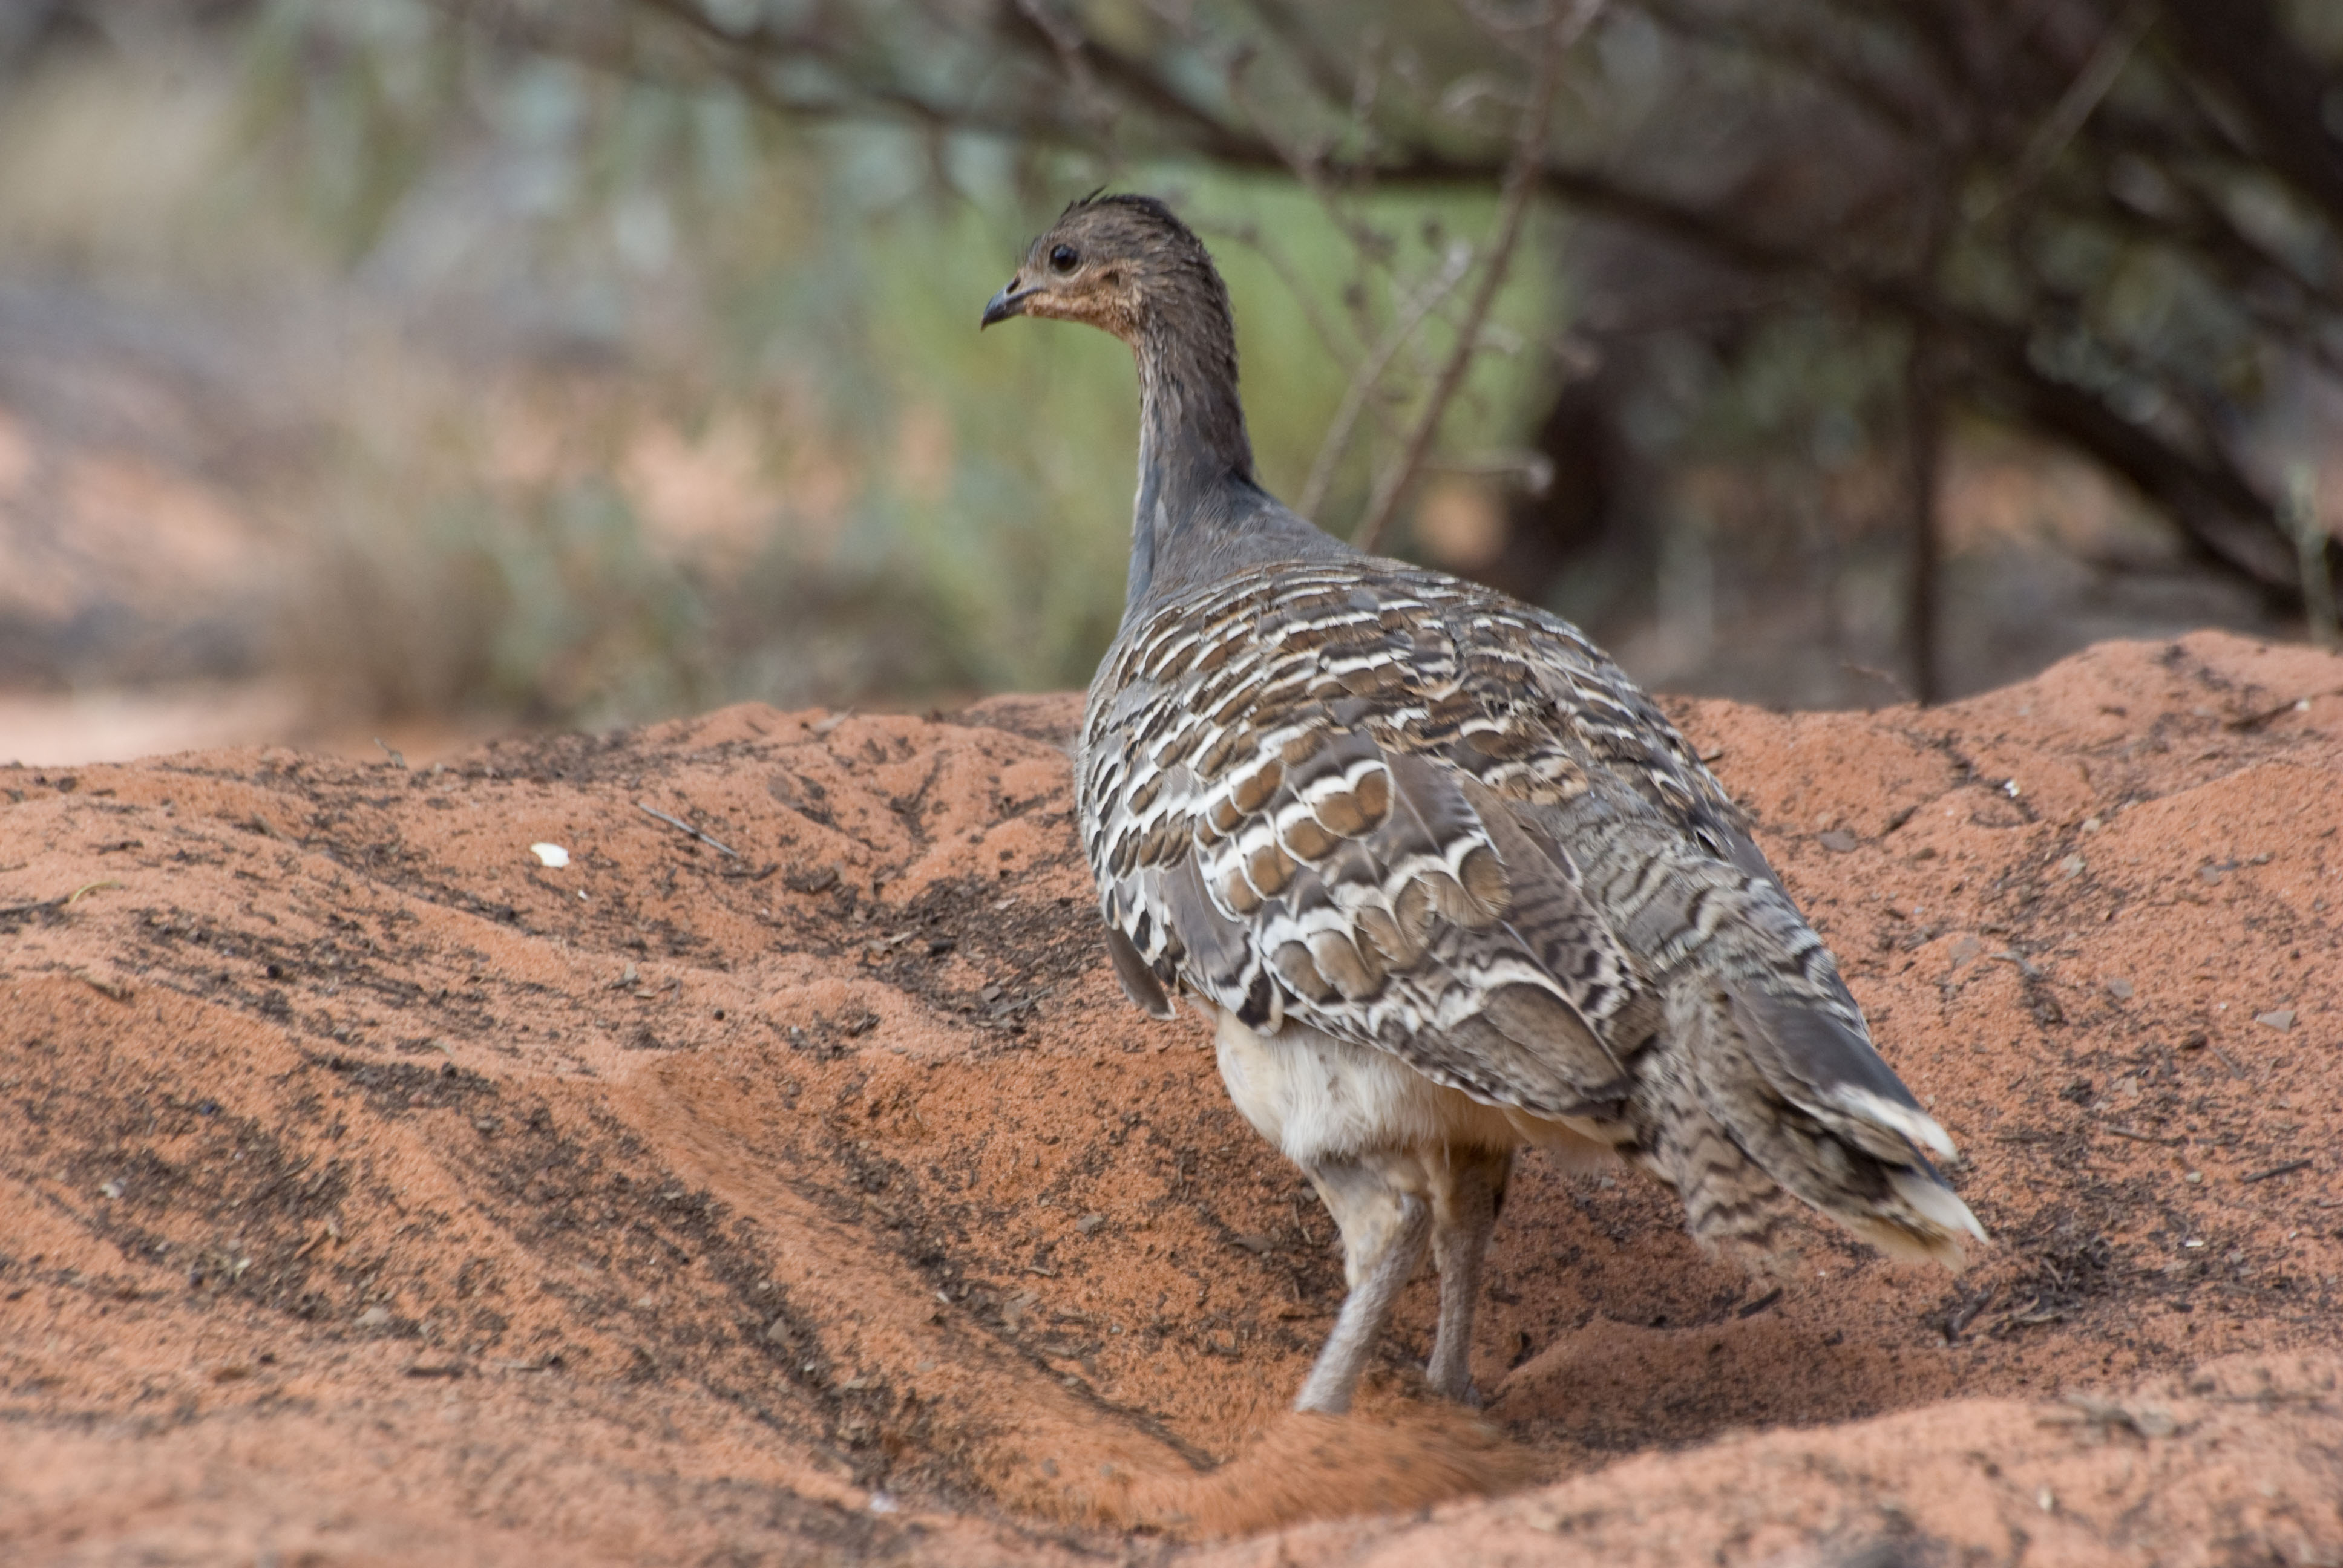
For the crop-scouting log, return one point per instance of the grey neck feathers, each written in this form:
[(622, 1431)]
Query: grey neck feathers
[(1196, 461)]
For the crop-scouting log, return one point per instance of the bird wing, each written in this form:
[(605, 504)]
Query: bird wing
[(1339, 795)]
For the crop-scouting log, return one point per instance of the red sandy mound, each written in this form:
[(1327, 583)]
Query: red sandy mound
[(374, 1192)]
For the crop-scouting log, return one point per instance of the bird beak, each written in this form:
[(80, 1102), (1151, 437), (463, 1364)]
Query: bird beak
[(1009, 302)]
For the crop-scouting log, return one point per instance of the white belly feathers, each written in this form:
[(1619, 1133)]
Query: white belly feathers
[(1322, 1102)]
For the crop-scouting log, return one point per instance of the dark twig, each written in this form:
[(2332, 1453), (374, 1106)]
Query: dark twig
[(2288, 1169), (2139, 1137), (1966, 1312), (1521, 180), (2255, 720), (721, 848)]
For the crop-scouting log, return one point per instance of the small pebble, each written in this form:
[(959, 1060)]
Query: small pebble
[(550, 854)]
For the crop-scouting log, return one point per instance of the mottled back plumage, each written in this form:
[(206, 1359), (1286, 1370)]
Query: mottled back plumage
[(1340, 799), (1416, 815)]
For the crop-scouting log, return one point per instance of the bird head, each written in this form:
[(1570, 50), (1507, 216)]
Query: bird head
[(1112, 261)]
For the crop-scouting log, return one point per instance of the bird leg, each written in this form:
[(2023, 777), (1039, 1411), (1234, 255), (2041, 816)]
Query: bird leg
[(1383, 1232), (1463, 1213)]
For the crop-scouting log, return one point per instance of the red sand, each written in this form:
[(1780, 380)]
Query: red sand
[(371, 1192)]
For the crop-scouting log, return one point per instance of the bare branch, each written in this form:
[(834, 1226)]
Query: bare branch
[(1305, 295), (2082, 98), (1368, 377), (1993, 81), (1563, 30)]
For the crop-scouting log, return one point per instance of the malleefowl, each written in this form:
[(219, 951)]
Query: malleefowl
[(1446, 881)]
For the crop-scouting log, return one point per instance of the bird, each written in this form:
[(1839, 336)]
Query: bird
[(1446, 882)]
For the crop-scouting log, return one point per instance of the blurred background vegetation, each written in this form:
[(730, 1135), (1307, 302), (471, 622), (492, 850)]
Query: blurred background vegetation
[(415, 367)]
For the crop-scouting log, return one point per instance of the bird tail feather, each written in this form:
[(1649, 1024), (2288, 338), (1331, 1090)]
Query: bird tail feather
[(1763, 1081)]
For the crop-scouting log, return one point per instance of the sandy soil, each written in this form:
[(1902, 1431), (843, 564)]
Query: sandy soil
[(371, 1192)]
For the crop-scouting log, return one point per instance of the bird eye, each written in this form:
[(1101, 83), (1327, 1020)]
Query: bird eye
[(1064, 258)]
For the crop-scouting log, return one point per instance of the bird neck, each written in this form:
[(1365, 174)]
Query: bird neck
[(1192, 446)]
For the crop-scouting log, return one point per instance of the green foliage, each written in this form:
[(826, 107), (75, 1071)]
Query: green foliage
[(821, 285), (612, 235)]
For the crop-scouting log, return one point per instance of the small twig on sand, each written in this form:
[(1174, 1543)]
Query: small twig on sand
[(1966, 1311), (2288, 1169), (1563, 29), (62, 901), (114, 989), (721, 848), (2291, 705)]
